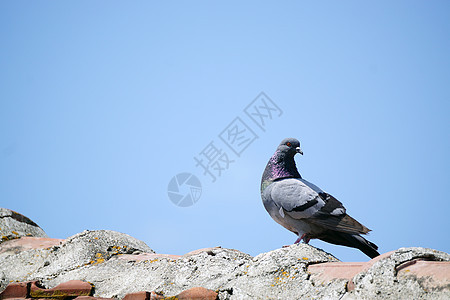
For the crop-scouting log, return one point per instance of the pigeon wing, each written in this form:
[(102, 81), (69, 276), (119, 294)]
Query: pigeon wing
[(301, 199), (332, 216), (296, 198)]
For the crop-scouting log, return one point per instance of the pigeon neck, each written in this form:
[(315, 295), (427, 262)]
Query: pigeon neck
[(280, 166)]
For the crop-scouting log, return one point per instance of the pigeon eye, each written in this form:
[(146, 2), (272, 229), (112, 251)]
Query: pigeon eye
[(288, 144)]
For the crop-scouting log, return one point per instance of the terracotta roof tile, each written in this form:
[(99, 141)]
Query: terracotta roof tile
[(143, 296), (28, 243), (429, 274), (198, 293), (15, 290), (72, 288)]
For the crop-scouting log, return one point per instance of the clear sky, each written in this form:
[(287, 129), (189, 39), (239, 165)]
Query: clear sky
[(102, 103)]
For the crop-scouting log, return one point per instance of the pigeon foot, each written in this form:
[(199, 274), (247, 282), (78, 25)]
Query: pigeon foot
[(304, 237)]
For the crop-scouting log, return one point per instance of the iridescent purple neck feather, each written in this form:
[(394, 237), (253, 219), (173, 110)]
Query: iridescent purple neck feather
[(280, 165)]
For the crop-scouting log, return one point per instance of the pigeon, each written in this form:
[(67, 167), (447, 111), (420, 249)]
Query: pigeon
[(304, 208)]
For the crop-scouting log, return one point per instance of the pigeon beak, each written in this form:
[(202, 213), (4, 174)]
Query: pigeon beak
[(299, 150)]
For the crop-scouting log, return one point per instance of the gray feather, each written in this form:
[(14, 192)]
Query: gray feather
[(304, 208)]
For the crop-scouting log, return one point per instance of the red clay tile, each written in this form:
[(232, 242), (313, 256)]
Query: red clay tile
[(28, 243), (343, 270), (350, 285), (433, 274), (346, 270), (437, 274), (408, 263), (137, 296), (198, 293), (72, 288), (143, 296), (336, 270), (207, 250), (155, 296), (15, 290), (92, 298)]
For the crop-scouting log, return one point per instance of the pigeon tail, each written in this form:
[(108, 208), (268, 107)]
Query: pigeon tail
[(351, 240), (302, 207)]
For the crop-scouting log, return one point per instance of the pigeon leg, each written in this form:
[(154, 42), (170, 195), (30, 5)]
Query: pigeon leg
[(300, 238), (296, 242), (304, 237)]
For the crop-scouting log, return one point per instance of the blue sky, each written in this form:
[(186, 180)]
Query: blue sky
[(102, 103)]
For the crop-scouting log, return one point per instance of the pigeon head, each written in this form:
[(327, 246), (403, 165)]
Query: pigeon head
[(290, 147), (282, 163)]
